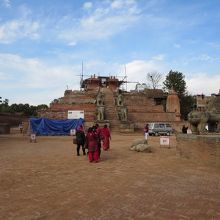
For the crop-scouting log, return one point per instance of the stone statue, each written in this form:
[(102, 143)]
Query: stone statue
[(100, 113), (119, 100), (199, 120), (100, 99), (210, 117), (122, 114)]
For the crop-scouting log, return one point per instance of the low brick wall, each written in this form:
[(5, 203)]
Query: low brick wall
[(203, 149), (4, 128)]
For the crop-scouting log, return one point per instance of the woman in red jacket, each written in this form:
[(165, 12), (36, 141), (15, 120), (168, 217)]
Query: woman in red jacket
[(106, 137), (92, 145)]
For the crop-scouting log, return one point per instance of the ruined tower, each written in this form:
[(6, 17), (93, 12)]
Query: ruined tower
[(173, 103)]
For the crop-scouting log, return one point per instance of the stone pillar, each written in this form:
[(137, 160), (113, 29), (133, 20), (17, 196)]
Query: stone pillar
[(173, 103)]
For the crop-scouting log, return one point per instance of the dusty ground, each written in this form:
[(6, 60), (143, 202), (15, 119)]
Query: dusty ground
[(46, 180)]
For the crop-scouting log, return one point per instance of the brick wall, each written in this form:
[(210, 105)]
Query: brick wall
[(142, 110), (59, 111)]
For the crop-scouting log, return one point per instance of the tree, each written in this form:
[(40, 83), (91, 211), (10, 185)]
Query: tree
[(186, 105), (42, 107), (24, 109), (175, 80), (6, 101), (4, 105), (154, 79)]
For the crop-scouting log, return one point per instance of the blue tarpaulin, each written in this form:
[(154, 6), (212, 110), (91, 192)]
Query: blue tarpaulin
[(45, 126)]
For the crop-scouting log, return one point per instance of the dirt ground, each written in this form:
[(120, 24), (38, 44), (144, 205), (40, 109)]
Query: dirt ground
[(46, 180)]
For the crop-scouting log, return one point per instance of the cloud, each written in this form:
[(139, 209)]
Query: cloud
[(7, 3), (177, 45), (16, 29), (117, 4), (103, 21), (87, 5), (137, 70), (24, 77), (159, 57), (202, 83)]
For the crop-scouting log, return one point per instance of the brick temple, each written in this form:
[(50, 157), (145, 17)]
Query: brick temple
[(104, 102)]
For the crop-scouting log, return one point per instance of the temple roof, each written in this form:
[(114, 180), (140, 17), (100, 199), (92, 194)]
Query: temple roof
[(100, 80)]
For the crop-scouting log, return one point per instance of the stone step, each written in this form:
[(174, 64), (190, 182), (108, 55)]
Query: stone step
[(109, 103), (111, 113)]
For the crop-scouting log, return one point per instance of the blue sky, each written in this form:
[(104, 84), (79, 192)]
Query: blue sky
[(43, 44)]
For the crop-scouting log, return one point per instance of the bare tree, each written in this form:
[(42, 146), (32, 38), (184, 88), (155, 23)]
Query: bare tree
[(154, 79)]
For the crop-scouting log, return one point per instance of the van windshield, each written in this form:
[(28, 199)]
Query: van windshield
[(150, 125)]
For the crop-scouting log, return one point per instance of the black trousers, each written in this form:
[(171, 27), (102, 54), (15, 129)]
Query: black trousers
[(78, 149), (99, 146)]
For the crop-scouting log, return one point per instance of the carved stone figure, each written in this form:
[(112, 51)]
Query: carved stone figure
[(120, 100), (199, 120), (100, 99), (122, 114), (100, 113)]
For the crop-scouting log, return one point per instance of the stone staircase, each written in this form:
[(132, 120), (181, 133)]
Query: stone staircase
[(110, 110)]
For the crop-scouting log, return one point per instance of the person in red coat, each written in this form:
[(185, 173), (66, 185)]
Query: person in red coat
[(106, 137), (92, 145), (99, 133)]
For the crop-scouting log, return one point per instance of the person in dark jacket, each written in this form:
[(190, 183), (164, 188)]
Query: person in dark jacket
[(80, 140), (146, 131), (184, 129)]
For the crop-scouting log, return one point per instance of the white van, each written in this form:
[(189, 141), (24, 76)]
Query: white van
[(160, 128)]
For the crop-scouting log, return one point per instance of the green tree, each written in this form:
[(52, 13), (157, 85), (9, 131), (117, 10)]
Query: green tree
[(4, 107), (175, 80), (42, 107), (25, 109), (186, 105)]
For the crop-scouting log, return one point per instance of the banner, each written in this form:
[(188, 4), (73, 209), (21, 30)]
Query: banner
[(75, 114)]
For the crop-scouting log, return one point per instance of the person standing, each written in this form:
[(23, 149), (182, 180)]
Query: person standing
[(98, 131), (146, 131), (184, 129), (80, 140), (92, 145), (106, 137), (21, 127)]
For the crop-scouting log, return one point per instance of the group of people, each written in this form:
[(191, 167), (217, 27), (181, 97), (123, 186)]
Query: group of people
[(93, 140)]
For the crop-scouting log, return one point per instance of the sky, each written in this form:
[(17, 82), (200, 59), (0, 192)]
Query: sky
[(44, 43)]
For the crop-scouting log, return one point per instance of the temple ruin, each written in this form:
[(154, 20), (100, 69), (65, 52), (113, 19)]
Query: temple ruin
[(206, 118), (102, 101)]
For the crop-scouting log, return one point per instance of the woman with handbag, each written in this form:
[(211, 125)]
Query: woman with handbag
[(80, 140)]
